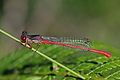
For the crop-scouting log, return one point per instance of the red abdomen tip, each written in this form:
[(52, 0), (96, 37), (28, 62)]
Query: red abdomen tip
[(101, 52)]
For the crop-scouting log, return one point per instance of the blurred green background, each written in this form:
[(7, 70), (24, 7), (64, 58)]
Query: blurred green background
[(95, 19)]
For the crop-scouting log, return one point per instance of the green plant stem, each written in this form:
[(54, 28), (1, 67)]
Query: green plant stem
[(50, 59)]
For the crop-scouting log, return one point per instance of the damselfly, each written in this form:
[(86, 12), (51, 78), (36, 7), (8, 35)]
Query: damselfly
[(82, 44)]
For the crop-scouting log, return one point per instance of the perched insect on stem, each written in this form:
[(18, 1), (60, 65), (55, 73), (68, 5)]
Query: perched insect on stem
[(82, 44)]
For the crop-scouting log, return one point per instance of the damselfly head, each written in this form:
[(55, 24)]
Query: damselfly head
[(24, 36)]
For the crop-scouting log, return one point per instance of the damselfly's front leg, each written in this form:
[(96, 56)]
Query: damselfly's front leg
[(27, 43)]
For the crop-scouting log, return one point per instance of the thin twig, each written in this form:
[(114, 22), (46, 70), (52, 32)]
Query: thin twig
[(43, 55)]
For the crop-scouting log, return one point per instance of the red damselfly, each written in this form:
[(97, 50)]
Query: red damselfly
[(82, 44)]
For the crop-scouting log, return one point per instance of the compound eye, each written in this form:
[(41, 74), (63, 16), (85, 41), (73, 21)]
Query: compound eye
[(23, 39)]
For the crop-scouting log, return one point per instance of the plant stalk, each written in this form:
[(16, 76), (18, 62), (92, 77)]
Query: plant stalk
[(43, 55)]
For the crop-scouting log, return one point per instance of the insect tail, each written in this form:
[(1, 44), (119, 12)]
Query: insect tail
[(100, 52)]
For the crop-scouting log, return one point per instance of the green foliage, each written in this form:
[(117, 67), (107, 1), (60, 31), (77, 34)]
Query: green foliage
[(25, 64)]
